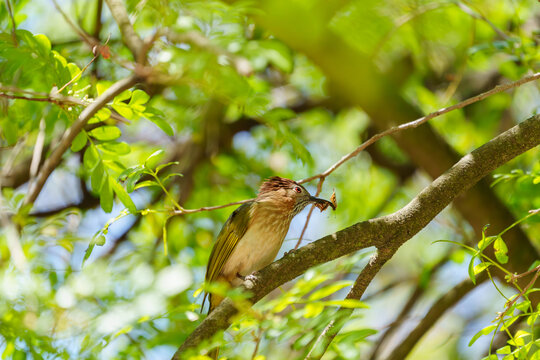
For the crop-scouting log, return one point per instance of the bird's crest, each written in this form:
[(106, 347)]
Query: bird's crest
[(275, 183)]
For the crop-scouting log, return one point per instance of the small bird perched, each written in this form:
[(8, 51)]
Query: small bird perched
[(253, 234)]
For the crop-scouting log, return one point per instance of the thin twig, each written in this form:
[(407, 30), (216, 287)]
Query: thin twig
[(510, 303), (413, 124), (52, 98), (467, 8), (209, 208), (319, 189), (79, 74), (81, 33), (13, 24), (38, 150), (516, 276), (56, 156)]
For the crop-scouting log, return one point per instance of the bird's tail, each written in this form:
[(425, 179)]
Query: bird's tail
[(214, 300)]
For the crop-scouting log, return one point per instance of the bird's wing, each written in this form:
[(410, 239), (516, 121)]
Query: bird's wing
[(232, 231)]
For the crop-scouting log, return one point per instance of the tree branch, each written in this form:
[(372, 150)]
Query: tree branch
[(13, 24), (387, 233), (53, 98), (54, 159), (130, 37)]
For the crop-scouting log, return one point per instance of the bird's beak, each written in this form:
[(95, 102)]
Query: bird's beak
[(322, 204)]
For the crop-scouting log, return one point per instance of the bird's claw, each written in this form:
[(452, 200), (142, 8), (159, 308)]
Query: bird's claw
[(241, 277), (244, 278)]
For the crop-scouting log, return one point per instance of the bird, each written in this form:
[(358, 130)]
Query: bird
[(251, 237)]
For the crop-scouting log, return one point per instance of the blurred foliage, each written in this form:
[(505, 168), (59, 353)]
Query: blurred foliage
[(522, 343), (105, 271)]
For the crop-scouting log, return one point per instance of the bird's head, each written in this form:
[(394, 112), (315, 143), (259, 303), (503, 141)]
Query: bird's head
[(290, 195)]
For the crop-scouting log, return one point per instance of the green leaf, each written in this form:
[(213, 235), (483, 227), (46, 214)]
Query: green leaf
[(171, 175), (115, 147), (523, 306), (106, 133), (132, 180), (490, 357), (106, 195), (501, 250), (103, 114), (101, 87), (124, 95), (508, 322), (43, 42), (88, 252), (355, 336), (146, 183), (123, 109), (313, 309), (471, 270), (163, 166), (115, 166), (481, 267), (505, 350), (79, 142), (99, 240), (123, 196), (346, 303), (90, 157), (139, 97), (96, 179), (162, 124), (153, 157), (482, 332), (532, 319), (129, 172), (329, 290)]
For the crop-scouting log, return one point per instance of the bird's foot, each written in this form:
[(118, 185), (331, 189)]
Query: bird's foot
[(247, 277), (241, 277)]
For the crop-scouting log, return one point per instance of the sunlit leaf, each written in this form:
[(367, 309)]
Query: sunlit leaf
[(123, 196), (79, 142), (485, 331), (106, 133)]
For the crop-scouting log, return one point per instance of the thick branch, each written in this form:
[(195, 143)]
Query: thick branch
[(387, 233), (54, 159)]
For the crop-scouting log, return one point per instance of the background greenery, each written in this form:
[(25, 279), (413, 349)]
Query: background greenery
[(232, 93)]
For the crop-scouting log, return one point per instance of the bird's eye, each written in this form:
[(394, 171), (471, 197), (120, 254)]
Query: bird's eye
[(297, 189)]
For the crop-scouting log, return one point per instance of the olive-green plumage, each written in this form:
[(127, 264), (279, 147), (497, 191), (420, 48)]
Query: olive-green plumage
[(253, 234)]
